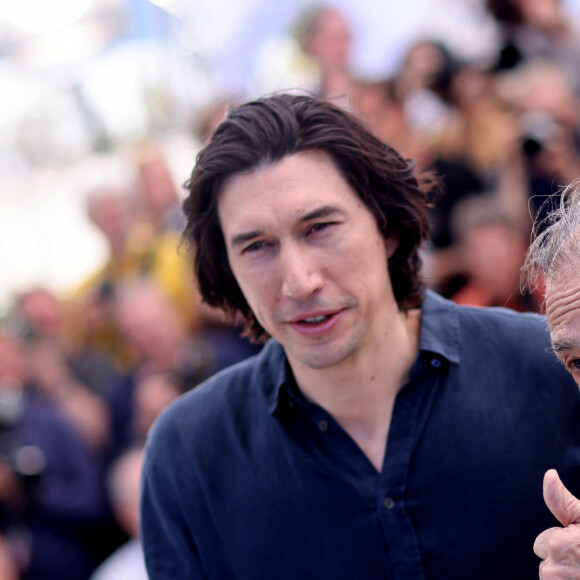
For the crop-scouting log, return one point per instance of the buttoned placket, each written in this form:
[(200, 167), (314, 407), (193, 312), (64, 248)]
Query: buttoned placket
[(386, 489), (412, 402)]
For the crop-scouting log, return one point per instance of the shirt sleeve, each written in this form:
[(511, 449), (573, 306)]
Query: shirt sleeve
[(168, 544)]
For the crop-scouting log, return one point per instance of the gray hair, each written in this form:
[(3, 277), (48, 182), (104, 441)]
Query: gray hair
[(554, 252)]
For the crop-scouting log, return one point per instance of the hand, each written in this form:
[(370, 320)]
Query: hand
[(8, 568), (559, 548)]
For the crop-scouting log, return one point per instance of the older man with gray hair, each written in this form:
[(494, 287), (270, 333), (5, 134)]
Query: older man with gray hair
[(553, 259)]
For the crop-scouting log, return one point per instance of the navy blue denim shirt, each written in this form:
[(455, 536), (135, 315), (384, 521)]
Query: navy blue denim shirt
[(246, 479)]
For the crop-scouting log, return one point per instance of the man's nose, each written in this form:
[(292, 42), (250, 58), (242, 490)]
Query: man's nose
[(301, 275)]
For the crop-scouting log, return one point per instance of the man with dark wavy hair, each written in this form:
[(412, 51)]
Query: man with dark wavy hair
[(554, 260), (382, 432)]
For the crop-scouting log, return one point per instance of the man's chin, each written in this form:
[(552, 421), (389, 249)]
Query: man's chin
[(319, 356)]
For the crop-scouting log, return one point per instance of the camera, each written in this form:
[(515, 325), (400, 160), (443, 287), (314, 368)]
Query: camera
[(538, 128), (26, 462)]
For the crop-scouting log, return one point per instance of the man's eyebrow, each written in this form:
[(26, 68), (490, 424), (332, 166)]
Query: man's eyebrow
[(563, 345), (320, 212), (241, 239)]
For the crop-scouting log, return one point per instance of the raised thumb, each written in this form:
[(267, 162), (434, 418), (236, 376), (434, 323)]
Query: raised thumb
[(559, 500)]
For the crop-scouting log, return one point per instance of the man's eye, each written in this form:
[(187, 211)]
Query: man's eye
[(319, 227), (254, 247), (575, 364)]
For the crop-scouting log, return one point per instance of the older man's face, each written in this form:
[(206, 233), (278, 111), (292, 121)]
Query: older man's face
[(563, 312)]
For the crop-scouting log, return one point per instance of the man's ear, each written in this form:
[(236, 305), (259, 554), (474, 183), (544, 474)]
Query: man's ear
[(391, 245)]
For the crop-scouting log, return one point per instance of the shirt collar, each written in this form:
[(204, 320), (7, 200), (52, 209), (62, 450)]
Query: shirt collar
[(440, 327), (274, 374), (439, 335)]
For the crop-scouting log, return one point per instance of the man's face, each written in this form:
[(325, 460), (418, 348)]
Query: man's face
[(309, 259), (563, 312)]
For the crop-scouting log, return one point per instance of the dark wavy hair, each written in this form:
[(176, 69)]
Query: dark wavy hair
[(265, 131)]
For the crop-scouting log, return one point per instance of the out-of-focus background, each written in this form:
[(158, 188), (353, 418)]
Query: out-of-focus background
[(103, 107), (82, 80)]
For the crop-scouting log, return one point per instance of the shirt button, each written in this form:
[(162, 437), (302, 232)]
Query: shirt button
[(389, 503), (323, 425), (435, 363)]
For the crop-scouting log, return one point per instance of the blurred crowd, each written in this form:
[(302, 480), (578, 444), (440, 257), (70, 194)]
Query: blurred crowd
[(502, 136), (83, 377)]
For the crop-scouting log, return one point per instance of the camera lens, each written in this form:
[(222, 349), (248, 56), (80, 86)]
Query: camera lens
[(531, 146)]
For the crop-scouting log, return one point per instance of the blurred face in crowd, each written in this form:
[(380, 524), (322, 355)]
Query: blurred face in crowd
[(150, 325), (109, 211), (328, 40), (424, 62), (42, 312), (493, 255), (309, 259), (158, 187)]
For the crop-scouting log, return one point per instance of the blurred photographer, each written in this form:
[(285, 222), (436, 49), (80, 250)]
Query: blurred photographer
[(552, 155), (51, 485), (545, 142), (171, 360)]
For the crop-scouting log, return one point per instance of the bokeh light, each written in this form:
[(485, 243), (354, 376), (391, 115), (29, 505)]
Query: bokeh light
[(38, 16)]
